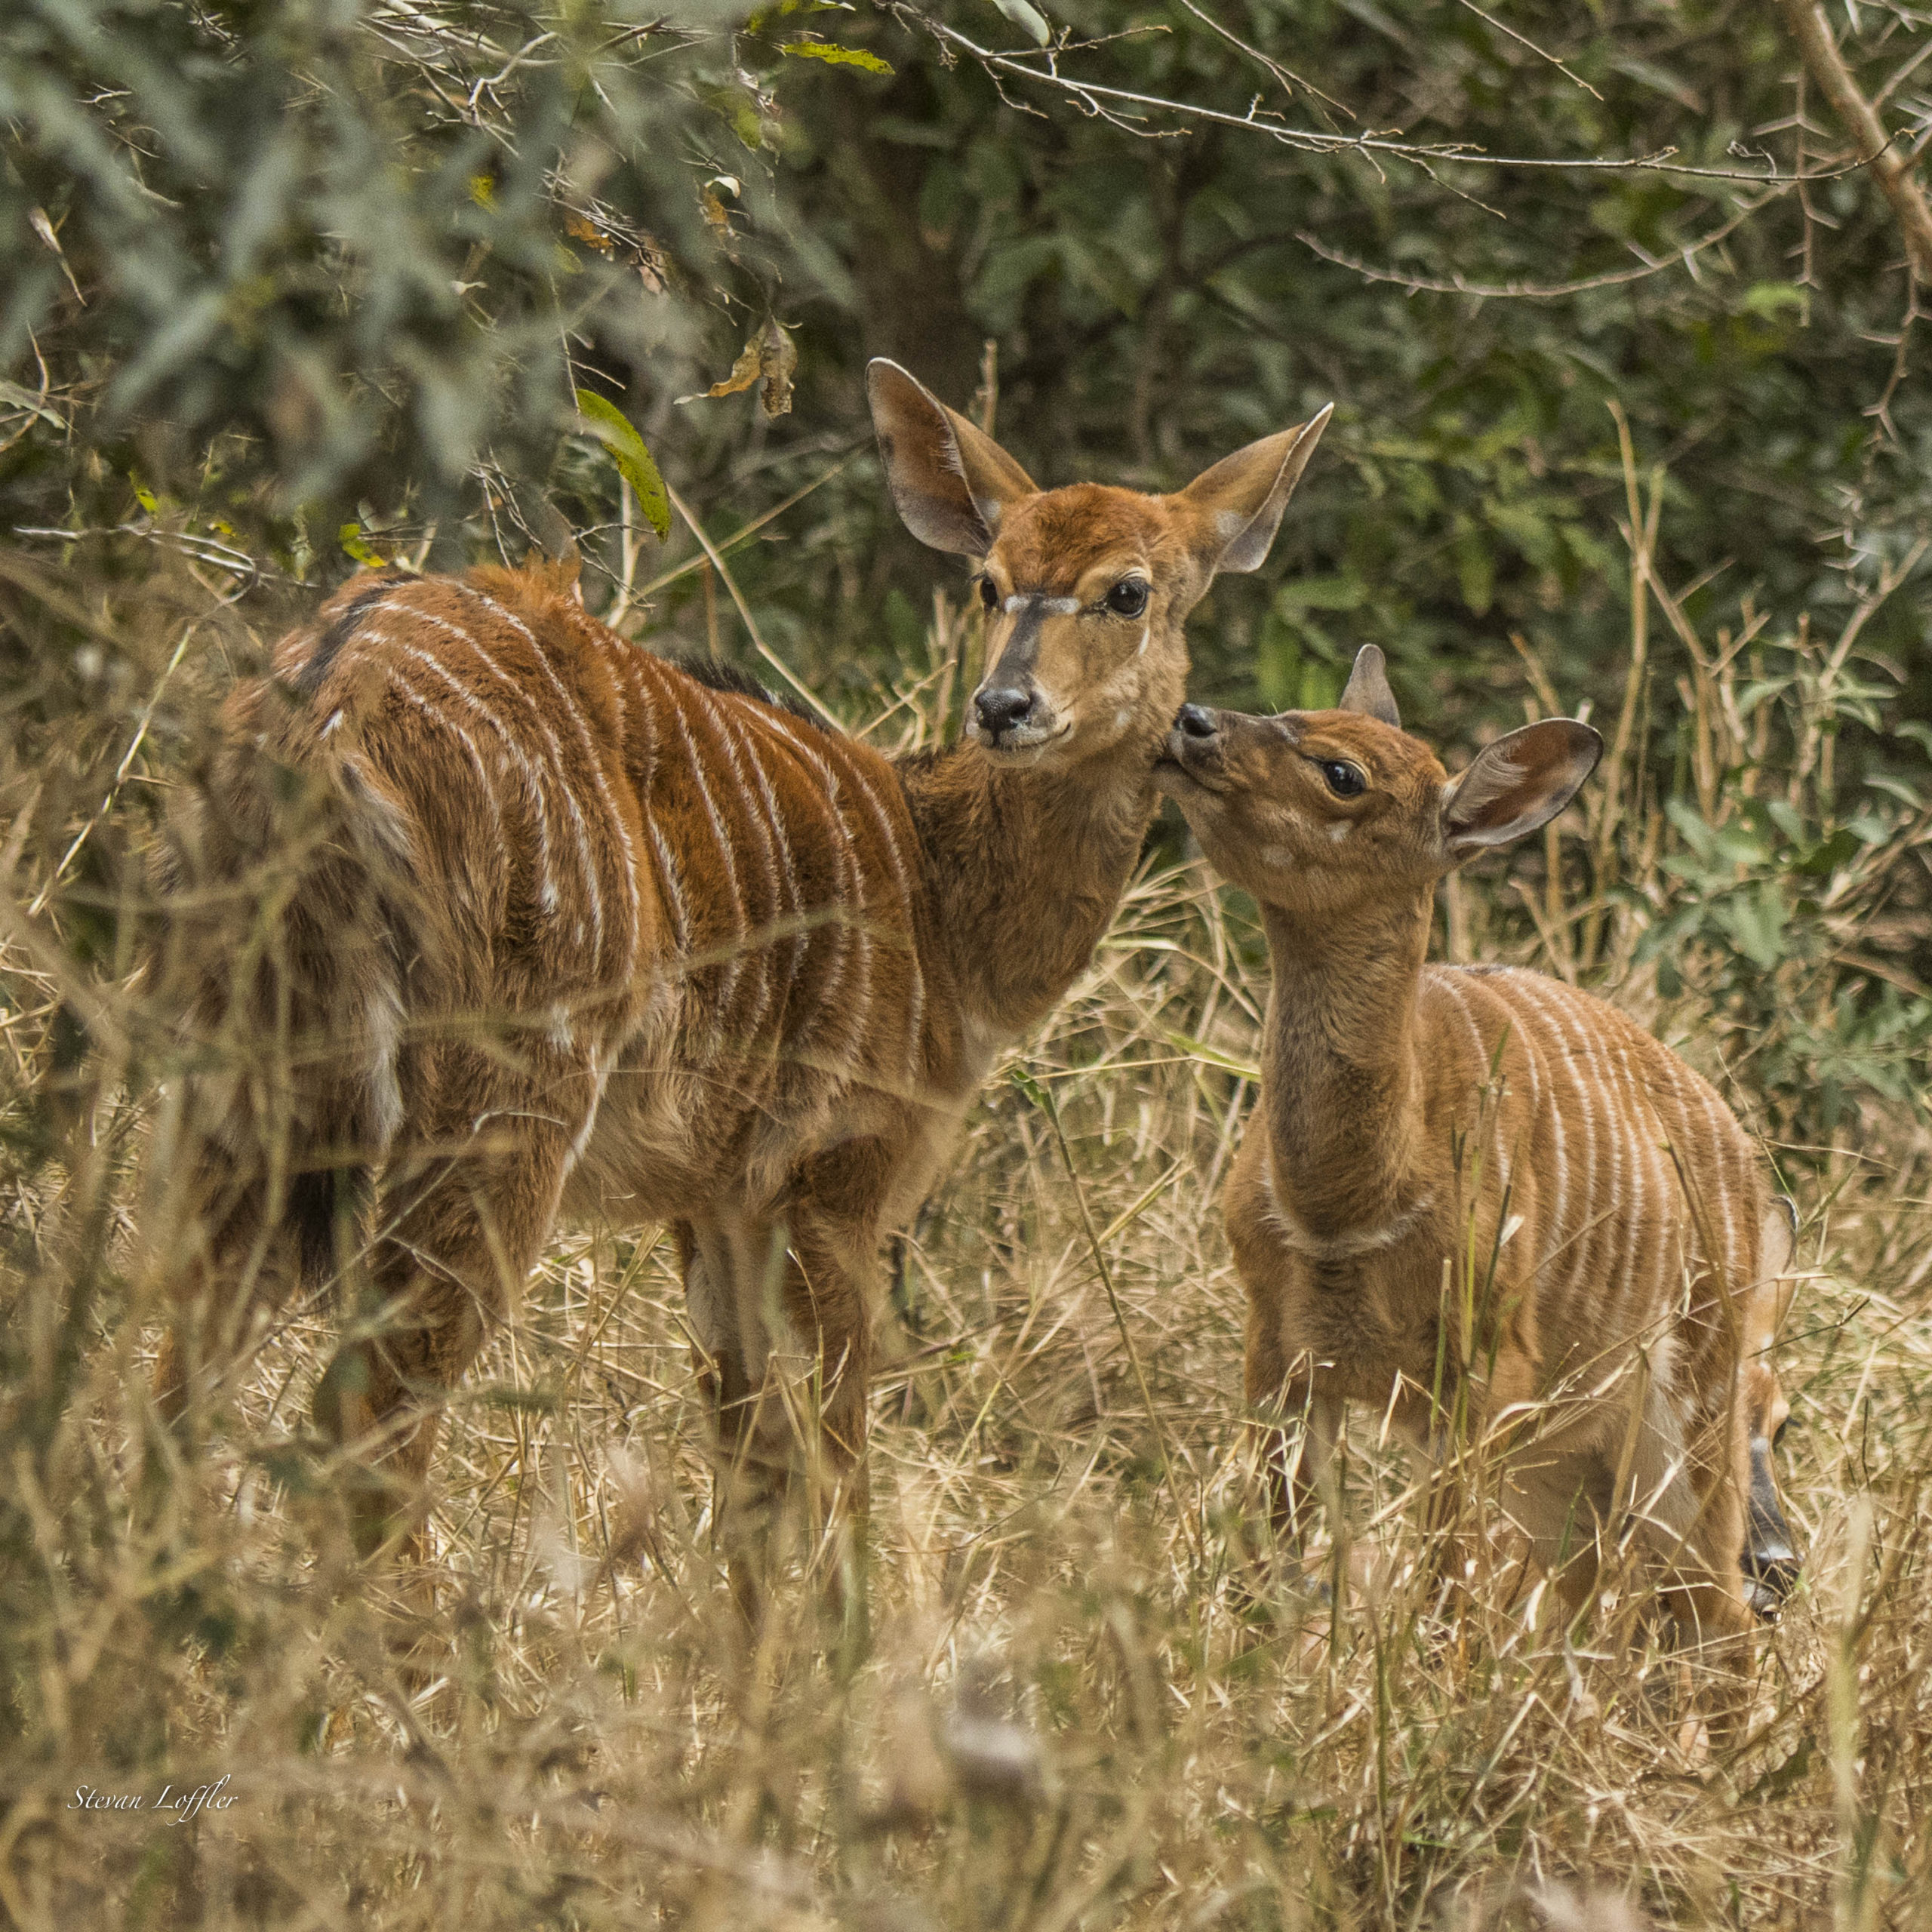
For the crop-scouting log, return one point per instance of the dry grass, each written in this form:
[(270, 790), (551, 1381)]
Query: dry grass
[(1076, 1711)]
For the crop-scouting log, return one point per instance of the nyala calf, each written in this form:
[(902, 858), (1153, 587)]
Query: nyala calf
[(1474, 1199)]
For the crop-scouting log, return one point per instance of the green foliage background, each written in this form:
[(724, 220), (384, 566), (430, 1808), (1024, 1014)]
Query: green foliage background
[(284, 285)]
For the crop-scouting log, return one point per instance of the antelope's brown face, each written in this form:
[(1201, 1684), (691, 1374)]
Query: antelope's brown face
[(1085, 589), (1307, 809), (1317, 812)]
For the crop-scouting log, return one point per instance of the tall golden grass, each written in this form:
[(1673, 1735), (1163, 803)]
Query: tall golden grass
[(1083, 1705)]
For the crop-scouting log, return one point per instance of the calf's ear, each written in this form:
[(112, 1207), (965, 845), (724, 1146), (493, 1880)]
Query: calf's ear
[(1368, 690), (950, 481), (1515, 785)]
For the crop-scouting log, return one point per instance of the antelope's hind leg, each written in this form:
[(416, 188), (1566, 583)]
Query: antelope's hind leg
[(461, 1220), (1694, 1500)]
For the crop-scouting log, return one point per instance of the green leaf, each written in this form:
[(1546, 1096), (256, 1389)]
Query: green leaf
[(612, 427), (835, 55), (1475, 569), (1213, 1055), (1827, 857), (1029, 19), (1032, 1088), (1906, 793), (1343, 592), (350, 538), (1755, 922), (1770, 298)]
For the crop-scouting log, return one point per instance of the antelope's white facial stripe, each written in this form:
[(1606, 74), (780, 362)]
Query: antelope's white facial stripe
[(1051, 607)]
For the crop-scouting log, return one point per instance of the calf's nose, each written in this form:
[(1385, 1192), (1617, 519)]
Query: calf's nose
[(1195, 722)]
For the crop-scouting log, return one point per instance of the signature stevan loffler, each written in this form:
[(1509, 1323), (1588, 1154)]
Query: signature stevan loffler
[(185, 1804)]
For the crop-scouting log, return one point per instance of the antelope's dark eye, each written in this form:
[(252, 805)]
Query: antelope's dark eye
[(1345, 780), (1128, 598), (988, 596), (1778, 1434)]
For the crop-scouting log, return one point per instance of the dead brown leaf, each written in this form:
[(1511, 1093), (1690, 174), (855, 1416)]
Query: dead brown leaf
[(770, 357)]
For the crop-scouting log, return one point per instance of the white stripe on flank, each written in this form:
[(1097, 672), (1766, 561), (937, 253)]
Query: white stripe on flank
[(714, 714), (733, 963), (672, 889), (1448, 981), (790, 902), (1626, 1109), (916, 1004), (1563, 1057), (850, 874), (591, 753), (557, 768), (398, 682), (1536, 1047), (546, 888), (1721, 1216)]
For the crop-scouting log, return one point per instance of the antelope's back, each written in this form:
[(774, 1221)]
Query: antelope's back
[(709, 901), (1645, 1197)]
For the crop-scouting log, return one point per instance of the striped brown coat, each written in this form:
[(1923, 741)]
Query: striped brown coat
[(1611, 1246), (483, 911)]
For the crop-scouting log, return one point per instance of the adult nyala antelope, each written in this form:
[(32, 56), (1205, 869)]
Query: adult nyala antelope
[(1489, 1205), (544, 922)]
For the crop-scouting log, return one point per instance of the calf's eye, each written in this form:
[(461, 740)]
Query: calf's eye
[(988, 596), (1344, 779), (1128, 598)]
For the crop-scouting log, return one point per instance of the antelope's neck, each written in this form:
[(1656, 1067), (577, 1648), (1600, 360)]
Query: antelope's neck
[(1342, 1078), (1024, 869)]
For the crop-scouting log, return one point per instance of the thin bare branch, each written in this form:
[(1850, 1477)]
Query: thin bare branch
[(1893, 171)]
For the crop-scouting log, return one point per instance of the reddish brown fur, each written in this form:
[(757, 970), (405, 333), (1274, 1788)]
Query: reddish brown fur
[(1412, 1113), (537, 919)]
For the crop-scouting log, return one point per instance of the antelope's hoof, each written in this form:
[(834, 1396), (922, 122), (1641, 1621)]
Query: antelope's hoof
[(1770, 1575)]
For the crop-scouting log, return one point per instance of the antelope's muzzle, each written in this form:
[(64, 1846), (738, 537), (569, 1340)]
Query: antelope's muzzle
[(1010, 713), (1193, 750)]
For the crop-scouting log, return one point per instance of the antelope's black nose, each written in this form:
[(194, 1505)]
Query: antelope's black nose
[(1001, 709), (1195, 722)]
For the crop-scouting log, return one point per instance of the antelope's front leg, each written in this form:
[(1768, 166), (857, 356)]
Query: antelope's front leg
[(1299, 1420), (782, 1306)]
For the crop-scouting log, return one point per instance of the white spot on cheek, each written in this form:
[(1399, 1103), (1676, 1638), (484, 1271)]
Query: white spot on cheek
[(1121, 717), (1339, 832), (335, 718), (1146, 632)]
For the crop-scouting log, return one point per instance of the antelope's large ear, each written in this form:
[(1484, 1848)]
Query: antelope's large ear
[(1518, 783), (949, 481), (1240, 500), (1368, 690)]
